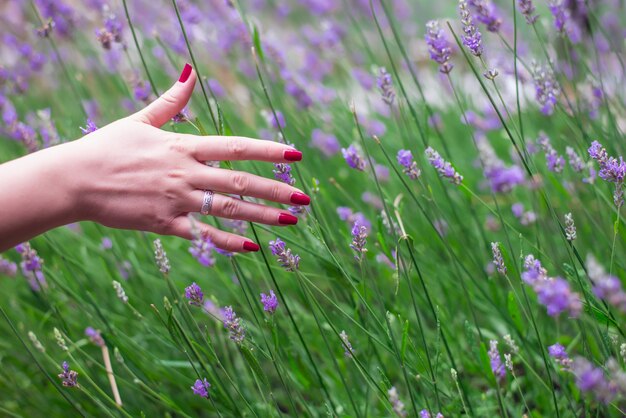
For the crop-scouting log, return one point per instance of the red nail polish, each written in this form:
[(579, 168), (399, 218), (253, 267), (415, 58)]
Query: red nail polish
[(250, 246), (287, 219), (300, 199), (184, 76), (292, 155)]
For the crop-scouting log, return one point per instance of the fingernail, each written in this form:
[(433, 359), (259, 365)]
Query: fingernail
[(287, 219), (292, 155), (184, 76), (250, 246), (300, 199)]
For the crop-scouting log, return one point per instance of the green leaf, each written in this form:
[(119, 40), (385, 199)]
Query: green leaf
[(405, 333), (514, 312), (256, 38), (254, 365)]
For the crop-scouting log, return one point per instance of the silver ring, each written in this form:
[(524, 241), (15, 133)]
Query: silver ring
[(207, 202)]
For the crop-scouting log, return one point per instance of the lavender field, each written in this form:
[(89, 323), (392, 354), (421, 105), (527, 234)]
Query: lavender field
[(463, 253)]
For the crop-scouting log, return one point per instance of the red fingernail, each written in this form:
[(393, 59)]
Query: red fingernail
[(287, 219), (292, 155), (250, 246), (300, 199), (184, 76)]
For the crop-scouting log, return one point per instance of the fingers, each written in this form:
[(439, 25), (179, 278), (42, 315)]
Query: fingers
[(159, 112), (182, 227), (224, 148), (234, 208), (245, 184)]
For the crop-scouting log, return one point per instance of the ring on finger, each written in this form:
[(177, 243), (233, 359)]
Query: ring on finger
[(207, 202)]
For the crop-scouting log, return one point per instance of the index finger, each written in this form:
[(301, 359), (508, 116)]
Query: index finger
[(223, 148)]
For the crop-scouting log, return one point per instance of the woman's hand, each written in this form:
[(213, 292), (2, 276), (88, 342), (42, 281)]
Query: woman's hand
[(132, 175)]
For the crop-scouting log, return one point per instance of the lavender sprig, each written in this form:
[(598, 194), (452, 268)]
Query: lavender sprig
[(498, 261), (353, 158), (472, 38), (438, 46), (444, 168), (233, 324), (69, 378), (194, 294), (270, 302), (385, 85), (405, 159), (359, 239), (287, 260)]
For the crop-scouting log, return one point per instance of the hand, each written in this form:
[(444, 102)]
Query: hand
[(132, 175)]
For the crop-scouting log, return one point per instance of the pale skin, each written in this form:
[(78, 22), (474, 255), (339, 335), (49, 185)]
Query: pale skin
[(132, 175)]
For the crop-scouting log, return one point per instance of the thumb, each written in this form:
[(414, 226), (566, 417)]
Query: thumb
[(171, 102)]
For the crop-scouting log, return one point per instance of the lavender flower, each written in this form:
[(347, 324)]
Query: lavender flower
[(106, 243), (326, 143), (348, 350), (7, 267), (498, 369), (486, 13), (282, 172), (525, 217), (547, 89), (353, 158), (591, 379), (287, 260), (563, 21), (119, 291), (574, 160), (233, 324), (194, 294), (161, 257), (444, 168), (611, 170), (570, 228), (472, 38), (201, 388), (558, 353), (68, 377), (555, 161), (276, 122), (359, 237), (606, 286), (527, 9), (385, 85), (396, 403), (142, 91), (270, 302), (498, 261), (31, 266), (201, 249), (94, 336), (405, 159), (438, 46)]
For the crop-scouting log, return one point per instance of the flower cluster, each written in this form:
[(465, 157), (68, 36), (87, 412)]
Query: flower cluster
[(69, 378), (438, 46), (270, 302), (611, 170), (570, 228), (359, 239), (90, 127), (563, 21), (497, 367), (94, 336), (486, 13), (194, 294), (405, 159), (554, 161), (606, 286), (498, 261), (558, 353), (282, 172), (119, 291), (552, 292), (472, 38), (547, 89), (287, 260), (396, 403), (353, 158), (385, 85), (7, 267), (525, 217), (574, 160), (202, 250), (444, 168), (201, 388), (31, 265), (233, 324), (348, 350), (161, 257), (527, 9), (591, 379)]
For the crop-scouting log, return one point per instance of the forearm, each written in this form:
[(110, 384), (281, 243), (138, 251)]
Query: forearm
[(37, 193)]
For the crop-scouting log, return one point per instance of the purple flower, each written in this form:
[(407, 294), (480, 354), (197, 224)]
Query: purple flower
[(68, 377), (472, 38), (194, 293), (106, 243), (61, 14), (444, 168), (201, 388), (606, 286), (486, 13), (555, 294), (563, 21), (527, 9), (438, 46), (385, 85), (558, 353), (90, 127), (591, 379), (547, 89), (497, 367), (570, 228), (7, 267), (326, 143), (365, 79), (233, 324), (574, 160), (31, 266), (504, 179), (348, 350), (611, 170), (94, 336), (202, 250), (498, 261), (270, 302), (276, 122), (554, 161), (396, 403), (142, 91), (287, 260), (525, 218), (405, 159), (353, 158), (359, 239), (282, 172)]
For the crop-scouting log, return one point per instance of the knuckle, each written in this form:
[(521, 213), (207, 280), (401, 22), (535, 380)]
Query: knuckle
[(276, 192), (177, 144), (240, 183), (230, 208), (235, 147), (169, 98)]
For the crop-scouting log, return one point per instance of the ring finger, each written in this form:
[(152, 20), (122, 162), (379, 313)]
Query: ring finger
[(235, 208)]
